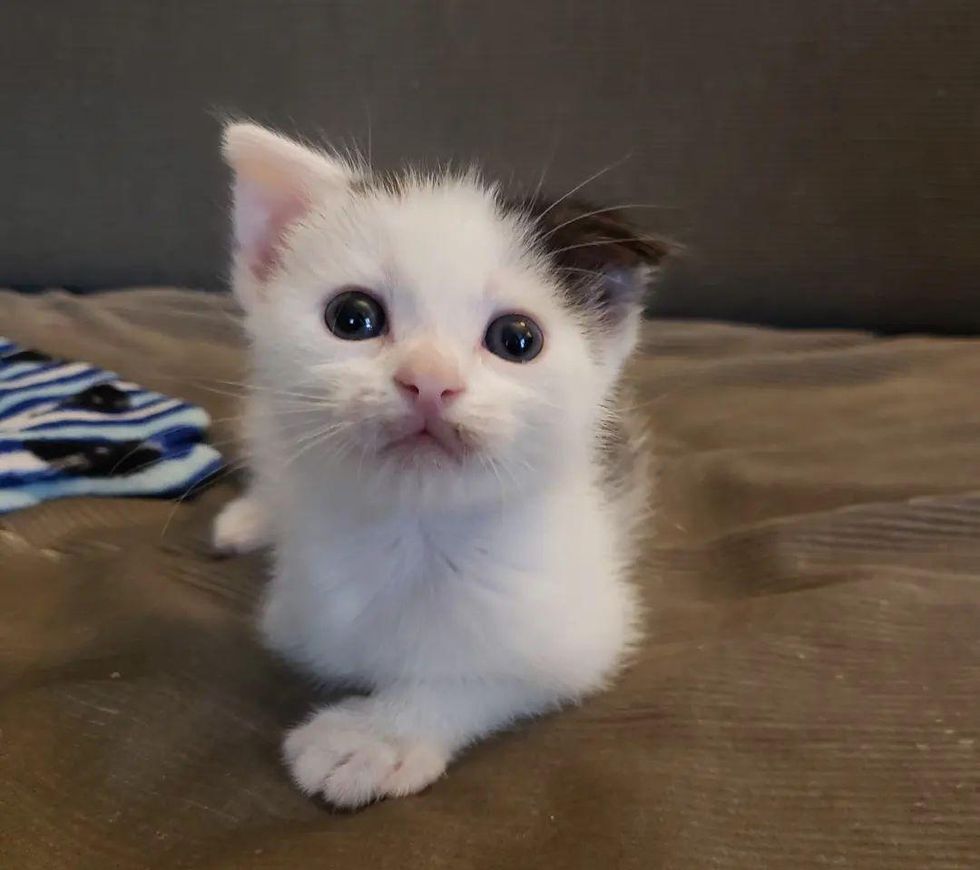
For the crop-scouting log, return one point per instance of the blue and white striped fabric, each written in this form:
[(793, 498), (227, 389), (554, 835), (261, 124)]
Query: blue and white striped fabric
[(71, 429)]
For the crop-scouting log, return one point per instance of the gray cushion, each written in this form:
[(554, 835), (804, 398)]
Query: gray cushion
[(818, 158)]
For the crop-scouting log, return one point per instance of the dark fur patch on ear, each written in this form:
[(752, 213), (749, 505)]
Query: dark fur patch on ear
[(603, 261)]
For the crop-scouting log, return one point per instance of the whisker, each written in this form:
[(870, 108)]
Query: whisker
[(582, 184), (591, 272), (320, 437), (230, 468), (212, 315), (599, 242), (605, 210), (370, 138), (275, 414), (489, 463), (290, 401), (510, 473), (303, 439), (277, 391), (547, 165), (215, 390), (224, 442), (122, 459), (360, 460)]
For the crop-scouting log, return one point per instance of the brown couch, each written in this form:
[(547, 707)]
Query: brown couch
[(807, 697)]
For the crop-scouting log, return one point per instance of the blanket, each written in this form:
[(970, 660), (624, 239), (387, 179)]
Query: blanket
[(71, 429), (806, 696)]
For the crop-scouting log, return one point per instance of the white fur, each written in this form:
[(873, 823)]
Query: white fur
[(463, 596), (241, 527)]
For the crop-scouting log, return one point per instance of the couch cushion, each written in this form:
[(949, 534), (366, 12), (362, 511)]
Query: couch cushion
[(807, 695)]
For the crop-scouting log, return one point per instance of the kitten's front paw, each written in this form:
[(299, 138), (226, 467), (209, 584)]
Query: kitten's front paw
[(339, 755), (241, 527)]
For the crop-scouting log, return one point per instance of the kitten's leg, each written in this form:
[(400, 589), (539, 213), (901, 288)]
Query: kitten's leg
[(399, 740), (242, 526)]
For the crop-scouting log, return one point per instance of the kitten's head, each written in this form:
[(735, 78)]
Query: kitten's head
[(422, 334)]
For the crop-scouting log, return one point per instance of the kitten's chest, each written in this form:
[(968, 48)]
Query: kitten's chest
[(395, 598), (405, 566)]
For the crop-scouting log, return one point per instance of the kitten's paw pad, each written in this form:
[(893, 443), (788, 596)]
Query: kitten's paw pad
[(241, 527), (350, 765)]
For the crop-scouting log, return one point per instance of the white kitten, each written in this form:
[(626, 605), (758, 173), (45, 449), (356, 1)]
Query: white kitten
[(434, 371)]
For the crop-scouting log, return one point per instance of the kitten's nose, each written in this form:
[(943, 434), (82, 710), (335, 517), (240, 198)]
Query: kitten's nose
[(429, 380)]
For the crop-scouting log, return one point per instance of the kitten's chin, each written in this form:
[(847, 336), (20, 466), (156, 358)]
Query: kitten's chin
[(436, 467), (418, 473), (415, 462), (421, 450), (423, 445), (425, 460), (432, 443), (426, 475)]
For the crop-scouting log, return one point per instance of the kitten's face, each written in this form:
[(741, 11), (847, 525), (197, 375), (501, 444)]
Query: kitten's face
[(417, 338)]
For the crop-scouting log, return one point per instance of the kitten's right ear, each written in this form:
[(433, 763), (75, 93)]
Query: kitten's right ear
[(276, 183)]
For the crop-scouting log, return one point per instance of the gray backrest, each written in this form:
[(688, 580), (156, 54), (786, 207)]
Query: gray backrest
[(819, 159)]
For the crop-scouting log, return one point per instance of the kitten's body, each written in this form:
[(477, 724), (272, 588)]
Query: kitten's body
[(462, 591), (376, 592)]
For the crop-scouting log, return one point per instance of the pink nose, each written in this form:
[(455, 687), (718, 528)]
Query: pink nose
[(429, 381)]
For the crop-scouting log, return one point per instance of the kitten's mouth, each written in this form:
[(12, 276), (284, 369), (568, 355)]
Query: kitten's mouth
[(429, 437)]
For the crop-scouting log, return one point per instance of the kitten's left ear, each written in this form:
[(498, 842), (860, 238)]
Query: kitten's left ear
[(277, 182), (606, 265), (586, 242)]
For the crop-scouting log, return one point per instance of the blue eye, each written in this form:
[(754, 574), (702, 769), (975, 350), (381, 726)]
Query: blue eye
[(514, 337), (355, 316)]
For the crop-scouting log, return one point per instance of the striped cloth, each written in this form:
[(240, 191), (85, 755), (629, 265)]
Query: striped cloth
[(72, 429)]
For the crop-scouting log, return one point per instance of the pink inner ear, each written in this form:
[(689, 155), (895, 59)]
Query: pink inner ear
[(266, 256), (262, 219)]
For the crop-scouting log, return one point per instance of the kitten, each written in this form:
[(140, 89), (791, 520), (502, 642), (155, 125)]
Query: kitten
[(432, 414)]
